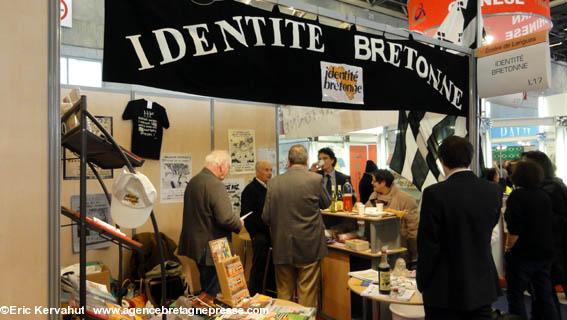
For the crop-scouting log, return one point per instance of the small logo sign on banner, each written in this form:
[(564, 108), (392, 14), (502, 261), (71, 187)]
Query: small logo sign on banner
[(341, 83)]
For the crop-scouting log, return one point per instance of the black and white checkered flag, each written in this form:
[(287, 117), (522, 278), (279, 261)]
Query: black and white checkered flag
[(459, 26), (418, 139)]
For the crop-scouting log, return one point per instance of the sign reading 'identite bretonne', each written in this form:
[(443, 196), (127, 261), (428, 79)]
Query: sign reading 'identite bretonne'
[(231, 50), (342, 83)]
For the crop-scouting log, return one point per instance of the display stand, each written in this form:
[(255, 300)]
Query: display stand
[(230, 273), (107, 154), (384, 231)]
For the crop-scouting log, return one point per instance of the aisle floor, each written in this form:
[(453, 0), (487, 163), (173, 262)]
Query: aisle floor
[(502, 305)]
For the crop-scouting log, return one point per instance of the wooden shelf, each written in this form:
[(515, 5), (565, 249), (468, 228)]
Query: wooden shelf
[(366, 253), (356, 216)]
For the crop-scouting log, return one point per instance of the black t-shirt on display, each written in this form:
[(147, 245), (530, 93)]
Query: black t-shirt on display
[(149, 119)]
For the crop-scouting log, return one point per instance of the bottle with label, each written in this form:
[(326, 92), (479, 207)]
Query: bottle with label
[(347, 196), (333, 207), (340, 206), (384, 273)]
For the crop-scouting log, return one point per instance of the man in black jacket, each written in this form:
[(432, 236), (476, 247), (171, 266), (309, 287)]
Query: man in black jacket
[(252, 199), (331, 177), (456, 271)]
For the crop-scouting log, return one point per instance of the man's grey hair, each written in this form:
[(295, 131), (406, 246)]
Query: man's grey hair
[(297, 155), (263, 164), (217, 157)]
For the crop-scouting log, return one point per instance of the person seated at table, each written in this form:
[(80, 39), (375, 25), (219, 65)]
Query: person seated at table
[(393, 198), (529, 249)]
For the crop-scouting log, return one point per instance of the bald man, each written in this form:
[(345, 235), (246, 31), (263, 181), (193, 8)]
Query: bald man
[(253, 200)]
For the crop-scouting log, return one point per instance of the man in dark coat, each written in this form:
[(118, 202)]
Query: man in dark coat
[(455, 270), (207, 215), (331, 177), (292, 210), (253, 198)]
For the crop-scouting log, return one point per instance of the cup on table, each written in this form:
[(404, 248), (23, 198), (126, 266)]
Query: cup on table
[(360, 207), (380, 207)]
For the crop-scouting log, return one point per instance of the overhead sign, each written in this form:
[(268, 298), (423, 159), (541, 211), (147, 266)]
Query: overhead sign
[(231, 50), (517, 65), (513, 132), (511, 153), (66, 13)]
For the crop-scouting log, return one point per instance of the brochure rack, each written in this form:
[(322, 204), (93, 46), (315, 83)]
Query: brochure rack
[(104, 152)]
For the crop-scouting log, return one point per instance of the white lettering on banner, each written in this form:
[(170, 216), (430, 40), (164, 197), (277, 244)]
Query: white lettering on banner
[(231, 32), (243, 31), (257, 31), (199, 40), (164, 47), (532, 27), (502, 2), (239, 36), (371, 49)]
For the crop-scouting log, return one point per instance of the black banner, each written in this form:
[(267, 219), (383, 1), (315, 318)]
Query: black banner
[(232, 50)]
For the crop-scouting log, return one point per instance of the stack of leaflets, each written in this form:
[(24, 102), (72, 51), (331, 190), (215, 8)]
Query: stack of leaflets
[(365, 275)]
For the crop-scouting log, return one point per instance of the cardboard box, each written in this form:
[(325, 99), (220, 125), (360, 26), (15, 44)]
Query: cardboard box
[(357, 244), (102, 277)]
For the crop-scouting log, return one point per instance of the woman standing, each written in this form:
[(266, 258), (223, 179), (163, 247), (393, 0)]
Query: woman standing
[(365, 187), (529, 249), (557, 191)]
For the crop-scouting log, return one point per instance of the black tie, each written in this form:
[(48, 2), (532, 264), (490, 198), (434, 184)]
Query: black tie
[(329, 184)]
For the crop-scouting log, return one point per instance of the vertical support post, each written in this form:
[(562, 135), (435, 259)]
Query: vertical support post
[(83, 208), (474, 106), (277, 148), (54, 153), (212, 124)]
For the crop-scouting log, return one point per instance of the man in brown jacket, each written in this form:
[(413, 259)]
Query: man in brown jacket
[(207, 215), (292, 211), (393, 198)]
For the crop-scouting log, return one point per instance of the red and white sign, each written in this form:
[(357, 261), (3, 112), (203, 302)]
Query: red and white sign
[(503, 19), (66, 13)]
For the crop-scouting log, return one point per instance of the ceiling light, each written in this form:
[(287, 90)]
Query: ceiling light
[(489, 39)]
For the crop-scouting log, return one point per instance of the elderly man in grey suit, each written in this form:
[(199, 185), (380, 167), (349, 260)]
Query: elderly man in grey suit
[(207, 215), (292, 211)]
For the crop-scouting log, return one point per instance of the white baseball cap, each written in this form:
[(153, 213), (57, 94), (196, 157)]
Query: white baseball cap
[(133, 197)]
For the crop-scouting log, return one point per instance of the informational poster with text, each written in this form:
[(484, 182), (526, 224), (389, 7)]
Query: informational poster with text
[(242, 149), (176, 171)]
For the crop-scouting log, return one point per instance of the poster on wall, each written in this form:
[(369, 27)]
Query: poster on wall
[(242, 146), (234, 187), (72, 163), (97, 206), (176, 171)]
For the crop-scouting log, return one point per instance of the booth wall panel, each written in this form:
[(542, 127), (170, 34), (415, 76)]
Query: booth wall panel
[(189, 133), (242, 115), (24, 150)]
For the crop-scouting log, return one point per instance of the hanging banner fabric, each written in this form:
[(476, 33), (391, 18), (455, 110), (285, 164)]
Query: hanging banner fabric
[(232, 50)]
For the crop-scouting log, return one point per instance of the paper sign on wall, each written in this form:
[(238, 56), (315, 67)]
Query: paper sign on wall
[(341, 83), (513, 66), (242, 148), (176, 172), (66, 13), (234, 188)]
